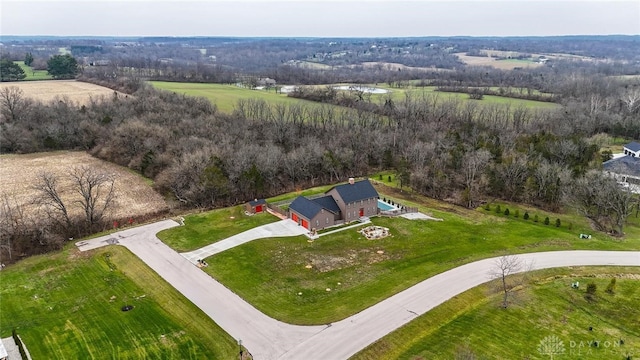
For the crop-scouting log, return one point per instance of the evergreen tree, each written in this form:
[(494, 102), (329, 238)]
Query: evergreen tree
[(28, 59), (10, 71), (62, 66)]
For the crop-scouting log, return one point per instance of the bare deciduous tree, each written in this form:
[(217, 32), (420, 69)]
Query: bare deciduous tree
[(48, 194), (504, 266), (13, 103), (602, 200), (96, 196), (472, 166), (12, 221), (96, 190)]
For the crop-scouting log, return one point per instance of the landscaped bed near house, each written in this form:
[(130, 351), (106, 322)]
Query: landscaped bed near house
[(270, 273), (547, 310)]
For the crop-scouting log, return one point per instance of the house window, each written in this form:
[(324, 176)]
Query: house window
[(326, 220), (317, 223), (348, 215)]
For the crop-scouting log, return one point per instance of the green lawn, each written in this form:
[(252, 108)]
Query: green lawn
[(33, 74), (225, 97), (417, 92), (306, 192), (473, 322), (212, 226), (67, 305), (270, 273)]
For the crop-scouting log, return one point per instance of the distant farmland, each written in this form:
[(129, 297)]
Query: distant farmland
[(225, 97), (48, 90), (508, 64)]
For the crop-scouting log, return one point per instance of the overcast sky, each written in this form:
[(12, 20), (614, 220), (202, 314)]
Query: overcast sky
[(328, 18)]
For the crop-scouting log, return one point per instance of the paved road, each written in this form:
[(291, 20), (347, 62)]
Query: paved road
[(141, 233), (267, 338), (285, 227)]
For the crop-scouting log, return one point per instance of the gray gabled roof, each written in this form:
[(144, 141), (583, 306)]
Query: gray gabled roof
[(360, 190), (257, 202), (625, 165), (328, 203), (633, 146), (305, 207)]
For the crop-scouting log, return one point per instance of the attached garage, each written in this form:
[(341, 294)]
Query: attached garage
[(313, 214)]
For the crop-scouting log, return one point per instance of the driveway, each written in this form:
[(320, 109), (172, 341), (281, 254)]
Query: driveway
[(281, 228), (267, 338)]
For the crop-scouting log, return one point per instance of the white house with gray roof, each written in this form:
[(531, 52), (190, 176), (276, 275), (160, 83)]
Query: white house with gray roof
[(632, 149)]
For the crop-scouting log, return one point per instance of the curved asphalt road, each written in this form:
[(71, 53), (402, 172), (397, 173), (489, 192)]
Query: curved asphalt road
[(267, 338)]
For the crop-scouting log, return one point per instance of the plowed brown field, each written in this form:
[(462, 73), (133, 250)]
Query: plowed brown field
[(48, 90), (18, 174)]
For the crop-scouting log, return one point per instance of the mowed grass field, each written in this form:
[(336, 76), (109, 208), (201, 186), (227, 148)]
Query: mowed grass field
[(18, 174), (48, 90), (67, 305), (544, 306), (488, 100), (270, 273), (33, 74), (225, 97)]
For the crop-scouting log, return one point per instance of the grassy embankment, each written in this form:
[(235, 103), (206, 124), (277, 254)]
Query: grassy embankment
[(67, 305), (33, 74), (546, 305), (270, 273)]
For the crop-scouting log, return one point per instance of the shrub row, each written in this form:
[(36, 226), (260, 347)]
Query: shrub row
[(516, 213)]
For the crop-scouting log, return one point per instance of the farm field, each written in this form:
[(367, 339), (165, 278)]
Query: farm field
[(18, 173), (225, 97), (67, 305), (48, 90), (493, 62), (270, 273), (417, 92), (545, 305), (33, 74)]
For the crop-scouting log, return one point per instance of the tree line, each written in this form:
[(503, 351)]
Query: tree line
[(450, 149)]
